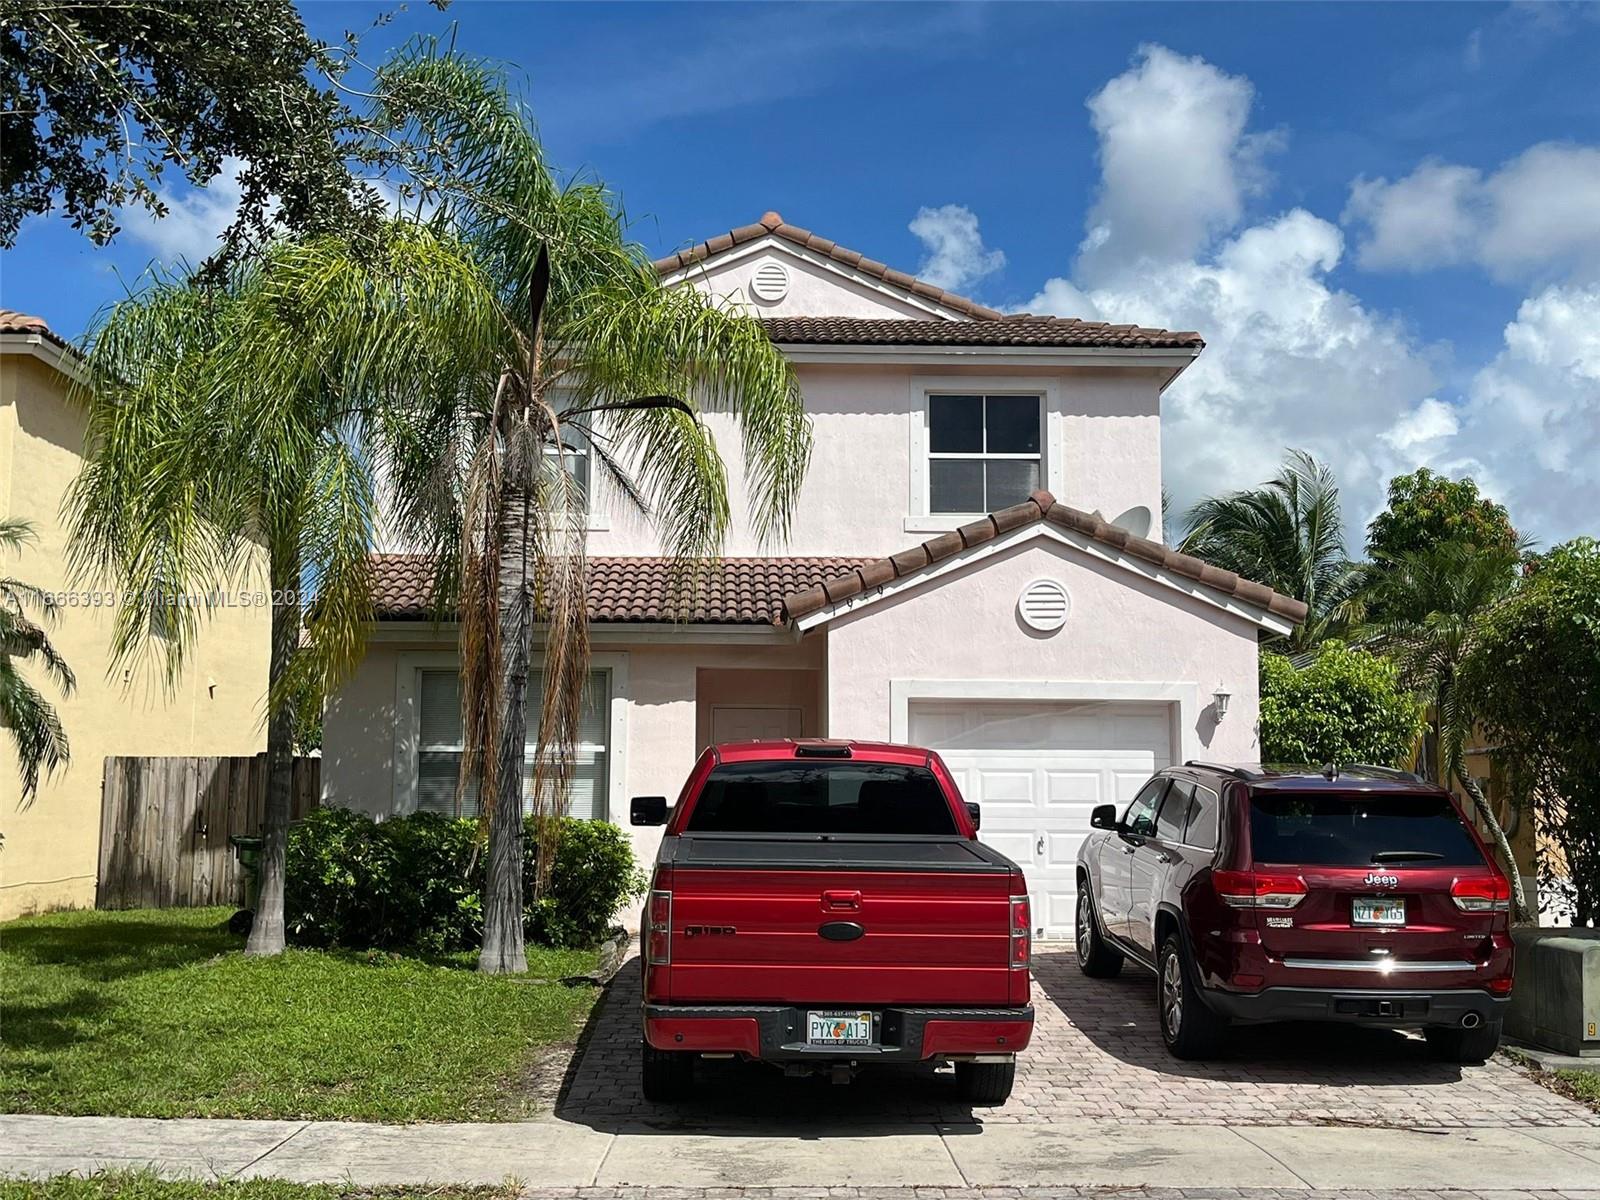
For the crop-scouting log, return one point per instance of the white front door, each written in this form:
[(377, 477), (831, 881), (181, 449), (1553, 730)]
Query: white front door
[(1037, 769), (731, 723)]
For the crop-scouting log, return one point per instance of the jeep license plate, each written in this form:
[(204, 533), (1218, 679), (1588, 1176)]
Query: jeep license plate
[(839, 1028), (1378, 910)]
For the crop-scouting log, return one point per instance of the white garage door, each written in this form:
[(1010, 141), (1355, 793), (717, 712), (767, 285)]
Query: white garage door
[(1038, 769)]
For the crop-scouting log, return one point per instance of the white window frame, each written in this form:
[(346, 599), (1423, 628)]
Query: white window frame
[(598, 519), (408, 724), (919, 517)]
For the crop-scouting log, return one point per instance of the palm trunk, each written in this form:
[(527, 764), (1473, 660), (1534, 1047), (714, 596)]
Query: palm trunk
[(503, 950), (1519, 899), (266, 933)]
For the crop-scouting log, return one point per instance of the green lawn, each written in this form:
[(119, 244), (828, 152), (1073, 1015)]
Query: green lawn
[(1581, 1085), (156, 1013), (139, 1185)]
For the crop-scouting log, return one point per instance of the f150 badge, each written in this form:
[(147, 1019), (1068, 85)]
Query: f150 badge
[(1377, 880), (709, 931)]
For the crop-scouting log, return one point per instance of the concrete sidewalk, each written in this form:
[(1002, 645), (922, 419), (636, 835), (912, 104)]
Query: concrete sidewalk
[(558, 1154)]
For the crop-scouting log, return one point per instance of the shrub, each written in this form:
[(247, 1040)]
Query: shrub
[(416, 882), (1347, 706)]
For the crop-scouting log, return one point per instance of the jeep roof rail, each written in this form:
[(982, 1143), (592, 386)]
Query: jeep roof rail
[(1384, 772), (1225, 769)]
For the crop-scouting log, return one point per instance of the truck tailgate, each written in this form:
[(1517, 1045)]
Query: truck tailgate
[(839, 920)]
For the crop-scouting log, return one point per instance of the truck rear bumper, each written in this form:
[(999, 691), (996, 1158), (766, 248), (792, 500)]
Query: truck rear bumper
[(1385, 1007), (777, 1033)]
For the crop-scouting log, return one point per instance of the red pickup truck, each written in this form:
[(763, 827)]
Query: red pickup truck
[(826, 905)]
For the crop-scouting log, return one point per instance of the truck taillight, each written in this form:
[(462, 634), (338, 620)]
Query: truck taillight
[(1258, 889), (1021, 933), (658, 929), (1483, 893)]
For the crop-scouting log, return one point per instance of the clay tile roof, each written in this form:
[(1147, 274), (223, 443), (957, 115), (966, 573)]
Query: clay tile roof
[(733, 591), (12, 321), (1021, 330), (772, 223), (1041, 506)]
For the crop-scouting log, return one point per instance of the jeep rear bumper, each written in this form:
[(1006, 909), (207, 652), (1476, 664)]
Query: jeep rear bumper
[(1383, 1007), (778, 1033)]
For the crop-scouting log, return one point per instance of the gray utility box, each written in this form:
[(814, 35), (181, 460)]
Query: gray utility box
[(1556, 1000)]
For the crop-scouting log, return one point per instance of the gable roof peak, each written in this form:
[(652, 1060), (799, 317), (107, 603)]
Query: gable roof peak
[(771, 219)]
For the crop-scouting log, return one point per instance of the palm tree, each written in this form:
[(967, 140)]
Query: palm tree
[(227, 425), (592, 351), (1287, 534), (28, 717), (1434, 603)]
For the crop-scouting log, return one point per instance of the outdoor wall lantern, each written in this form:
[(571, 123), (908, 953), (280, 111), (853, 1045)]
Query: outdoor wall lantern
[(1222, 696)]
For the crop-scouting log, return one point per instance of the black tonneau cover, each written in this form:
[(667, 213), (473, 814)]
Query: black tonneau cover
[(811, 852)]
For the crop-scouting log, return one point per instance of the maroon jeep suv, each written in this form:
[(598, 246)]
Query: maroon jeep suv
[(1360, 895)]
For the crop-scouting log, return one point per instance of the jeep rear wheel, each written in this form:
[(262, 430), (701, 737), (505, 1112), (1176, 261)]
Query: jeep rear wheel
[(1188, 1026), (985, 1083), (667, 1075), (1466, 1046)]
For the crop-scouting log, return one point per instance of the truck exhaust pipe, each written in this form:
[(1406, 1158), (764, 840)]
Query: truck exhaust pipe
[(1471, 1020)]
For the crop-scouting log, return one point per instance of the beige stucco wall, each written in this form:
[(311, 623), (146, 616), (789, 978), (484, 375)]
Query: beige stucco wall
[(1126, 637), (860, 496), (51, 849)]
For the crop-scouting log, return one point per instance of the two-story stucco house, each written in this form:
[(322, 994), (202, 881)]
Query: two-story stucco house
[(51, 853), (968, 569)]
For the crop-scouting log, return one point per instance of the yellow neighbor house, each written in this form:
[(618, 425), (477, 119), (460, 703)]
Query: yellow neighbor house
[(50, 854)]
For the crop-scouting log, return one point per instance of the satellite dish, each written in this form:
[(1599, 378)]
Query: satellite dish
[(1136, 521)]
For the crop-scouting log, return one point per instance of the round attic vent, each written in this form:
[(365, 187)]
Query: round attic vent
[(1043, 605), (770, 282)]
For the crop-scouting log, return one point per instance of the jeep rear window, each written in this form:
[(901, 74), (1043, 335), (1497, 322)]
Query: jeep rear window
[(1354, 829), (821, 798)]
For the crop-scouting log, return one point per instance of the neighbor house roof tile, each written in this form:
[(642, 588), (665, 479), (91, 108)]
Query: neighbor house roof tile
[(1019, 330), (12, 321), (1041, 506)]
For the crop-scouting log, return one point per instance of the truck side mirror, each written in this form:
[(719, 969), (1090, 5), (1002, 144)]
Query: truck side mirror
[(973, 814), (647, 810), (1104, 816)]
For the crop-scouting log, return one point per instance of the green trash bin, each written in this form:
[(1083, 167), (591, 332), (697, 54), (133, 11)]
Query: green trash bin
[(248, 848)]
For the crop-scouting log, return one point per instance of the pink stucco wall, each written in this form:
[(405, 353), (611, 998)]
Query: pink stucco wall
[(1103, 451), (1123, 630)]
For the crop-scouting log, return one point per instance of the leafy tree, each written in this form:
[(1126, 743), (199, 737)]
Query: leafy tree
[(228, 418), (1345, 706), (1435, 604), (30, 720), (98, 100), (1533, 678), (1287, 534), (1426, 509)]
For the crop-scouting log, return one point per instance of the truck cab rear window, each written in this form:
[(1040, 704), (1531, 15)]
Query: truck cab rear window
[(1344, 829), (821, 797)]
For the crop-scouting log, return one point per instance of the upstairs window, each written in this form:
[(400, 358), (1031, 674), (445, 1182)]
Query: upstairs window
[(983, 451)]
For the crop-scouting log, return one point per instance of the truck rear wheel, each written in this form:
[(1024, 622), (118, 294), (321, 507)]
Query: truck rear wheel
[(985, 1083), (666, 1075)]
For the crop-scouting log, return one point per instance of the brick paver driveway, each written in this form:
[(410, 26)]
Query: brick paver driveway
[(1096, 1056)]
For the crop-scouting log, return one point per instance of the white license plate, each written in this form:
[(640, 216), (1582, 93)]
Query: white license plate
[(1378, 910), (839, 1028)]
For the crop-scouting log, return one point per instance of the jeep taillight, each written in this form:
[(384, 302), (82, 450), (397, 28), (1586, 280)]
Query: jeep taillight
[(658, 929), (1258, 889), (1482, 893), (1021, 933)]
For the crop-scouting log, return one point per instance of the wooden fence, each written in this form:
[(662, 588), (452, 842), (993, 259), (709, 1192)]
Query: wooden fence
[(165, 823)]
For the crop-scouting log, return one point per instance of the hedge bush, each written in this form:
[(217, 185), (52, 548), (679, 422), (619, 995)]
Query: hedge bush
[(1347, 706), (416, 882)]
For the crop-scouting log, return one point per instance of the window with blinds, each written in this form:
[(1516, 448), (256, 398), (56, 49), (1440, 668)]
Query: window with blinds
[(439, 743)]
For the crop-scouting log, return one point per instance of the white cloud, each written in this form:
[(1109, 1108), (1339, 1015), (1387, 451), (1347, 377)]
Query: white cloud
[(1537, 215), (1295, 361), (956, 255), (195, 219), (1531, 425), (1176, 163)]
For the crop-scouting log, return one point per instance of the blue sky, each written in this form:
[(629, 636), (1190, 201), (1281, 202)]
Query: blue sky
[(1383, 218)]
